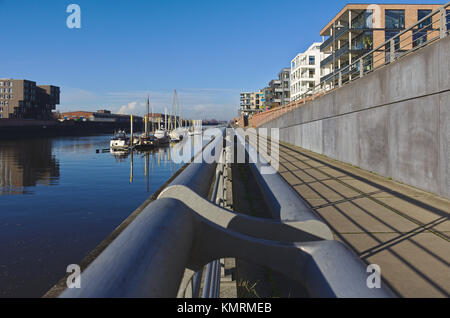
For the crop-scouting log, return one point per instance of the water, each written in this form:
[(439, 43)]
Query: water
[(59, 199)]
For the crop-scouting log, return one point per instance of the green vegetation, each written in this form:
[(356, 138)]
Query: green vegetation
[(247, 290)]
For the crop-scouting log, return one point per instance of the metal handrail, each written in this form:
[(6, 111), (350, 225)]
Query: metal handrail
[(180, 232), (210, 287)]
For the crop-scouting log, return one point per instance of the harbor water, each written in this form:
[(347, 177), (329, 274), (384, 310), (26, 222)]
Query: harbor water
[(59, 198)]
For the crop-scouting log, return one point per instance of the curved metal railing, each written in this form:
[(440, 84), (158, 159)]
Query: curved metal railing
[(176, 235)]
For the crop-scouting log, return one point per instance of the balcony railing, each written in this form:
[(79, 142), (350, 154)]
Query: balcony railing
[(391, 50), (436, 25), (343, 50), (329, 41)]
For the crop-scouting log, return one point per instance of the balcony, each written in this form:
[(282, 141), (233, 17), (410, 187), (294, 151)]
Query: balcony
[(340, 32), (343, 50), (344, 70)]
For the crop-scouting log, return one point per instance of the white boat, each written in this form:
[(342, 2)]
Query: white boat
[(176, 135), (120, 141), (162, 136), (195, 132)]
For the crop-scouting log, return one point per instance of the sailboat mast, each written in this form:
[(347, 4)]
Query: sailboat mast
[(152, 129), (146, 115), (176, 109), (179, 118), (165, 118)]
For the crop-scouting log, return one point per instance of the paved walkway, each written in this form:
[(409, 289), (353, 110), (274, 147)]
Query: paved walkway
[(404, 230)]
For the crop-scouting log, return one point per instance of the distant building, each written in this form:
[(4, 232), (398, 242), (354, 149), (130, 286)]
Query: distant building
[(252, 102), (305, 71), (23, 99), (359, 28), (278, 92), (99, 116)]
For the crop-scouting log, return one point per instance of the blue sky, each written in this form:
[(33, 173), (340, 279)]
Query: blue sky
[(209, 50)]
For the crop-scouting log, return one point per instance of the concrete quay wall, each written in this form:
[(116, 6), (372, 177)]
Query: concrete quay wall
[(394, 122)]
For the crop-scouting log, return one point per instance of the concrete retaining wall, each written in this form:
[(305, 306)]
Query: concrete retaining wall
[(394, 121)]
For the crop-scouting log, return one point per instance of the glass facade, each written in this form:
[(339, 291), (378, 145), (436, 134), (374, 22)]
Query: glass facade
[(363, 21), (419, 37), (388, 36), (364, 41), (427, 23), (448, 20), (391, 34), (395, 19), (420, 34)]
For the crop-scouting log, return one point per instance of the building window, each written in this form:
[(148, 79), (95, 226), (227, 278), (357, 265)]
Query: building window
[(312, 60), (395, 19), (448, 20), (426, 24), (419, 37), (420, 33), (363, 21), (364, 41), (391, 34)]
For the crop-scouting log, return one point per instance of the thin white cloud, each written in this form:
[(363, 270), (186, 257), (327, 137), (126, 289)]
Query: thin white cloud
[(128, 109)]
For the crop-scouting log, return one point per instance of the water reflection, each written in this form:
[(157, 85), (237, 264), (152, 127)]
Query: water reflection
[(26, 163), (154, 158), (120, 155)]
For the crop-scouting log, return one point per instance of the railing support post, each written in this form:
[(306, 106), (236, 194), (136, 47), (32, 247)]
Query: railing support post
[(392, 51), (443, 19), (361, 67)]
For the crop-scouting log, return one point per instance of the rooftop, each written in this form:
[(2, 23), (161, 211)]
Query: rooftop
[(360, 7)]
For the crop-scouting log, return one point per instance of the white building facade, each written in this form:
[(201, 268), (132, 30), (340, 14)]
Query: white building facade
[(305, 71)]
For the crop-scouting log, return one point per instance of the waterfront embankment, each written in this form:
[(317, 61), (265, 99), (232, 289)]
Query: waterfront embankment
[(20, 128)]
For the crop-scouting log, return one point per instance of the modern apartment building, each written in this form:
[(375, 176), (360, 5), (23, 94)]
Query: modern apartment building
[(23, 99), (279, 90), (359, 28), (305, 71), (252, 102)]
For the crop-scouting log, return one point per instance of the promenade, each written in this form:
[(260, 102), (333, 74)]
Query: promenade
[(404, 230)]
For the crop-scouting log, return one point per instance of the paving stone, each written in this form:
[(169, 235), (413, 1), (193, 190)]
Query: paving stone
[(417, 266)]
